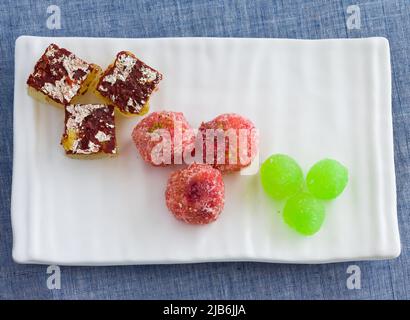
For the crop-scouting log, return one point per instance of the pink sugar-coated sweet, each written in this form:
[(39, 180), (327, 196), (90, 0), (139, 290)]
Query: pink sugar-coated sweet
[(236, 122), (146, 132), (196, 194)]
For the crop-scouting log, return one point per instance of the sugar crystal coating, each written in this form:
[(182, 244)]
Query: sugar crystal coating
[(149, 134), (281, 176), (233, 128), (327, 179), (304, 213), (196, 194)]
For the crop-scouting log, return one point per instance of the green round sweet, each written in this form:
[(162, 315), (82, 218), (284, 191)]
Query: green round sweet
[(304, 213), (281, 176), (327, 179)]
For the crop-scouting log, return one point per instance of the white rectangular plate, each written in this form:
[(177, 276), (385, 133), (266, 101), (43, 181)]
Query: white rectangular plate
[(309, 99)]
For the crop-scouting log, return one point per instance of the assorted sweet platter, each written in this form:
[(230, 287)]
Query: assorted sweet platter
[(133, 151)]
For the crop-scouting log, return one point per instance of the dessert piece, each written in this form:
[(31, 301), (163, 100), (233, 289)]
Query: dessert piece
[(281, 176), (163, 137), (59, 77), (89, 131), (196, 194), (128, 84), (304, 213), (327, 179), (230, 142)]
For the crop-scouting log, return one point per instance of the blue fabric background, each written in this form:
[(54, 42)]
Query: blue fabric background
[(170, 18)]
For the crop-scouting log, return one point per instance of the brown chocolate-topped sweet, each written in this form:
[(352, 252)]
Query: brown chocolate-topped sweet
[(89, 130), (128, 83), (60, 76)]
